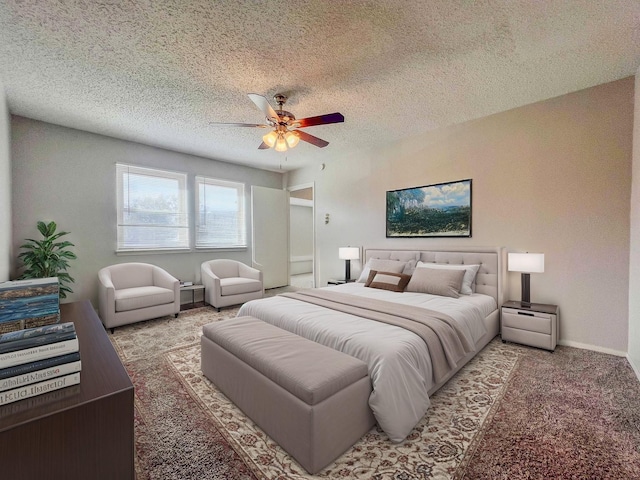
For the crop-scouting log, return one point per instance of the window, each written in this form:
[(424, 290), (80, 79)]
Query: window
[(152, 209), (220, 220)]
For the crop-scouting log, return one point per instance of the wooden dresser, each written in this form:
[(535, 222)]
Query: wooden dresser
[(80, 432)]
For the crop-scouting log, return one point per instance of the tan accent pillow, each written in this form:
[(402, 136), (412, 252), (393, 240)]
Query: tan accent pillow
[(468, 280), (380, 265), (396, 282), (445, 283)]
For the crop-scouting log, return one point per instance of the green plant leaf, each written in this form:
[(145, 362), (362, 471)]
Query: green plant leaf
[(43, 228), (48, 258)]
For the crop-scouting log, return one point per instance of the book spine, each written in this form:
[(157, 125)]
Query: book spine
[(39, 400), (37, 331), (39, 376), (38, 365), (31, 342), (34, 389), (36, 341), (38, 353)]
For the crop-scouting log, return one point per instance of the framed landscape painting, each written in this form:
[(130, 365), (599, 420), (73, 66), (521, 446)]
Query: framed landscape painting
[(440, 210)]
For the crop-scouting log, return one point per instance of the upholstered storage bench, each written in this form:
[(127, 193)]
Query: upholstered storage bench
[(310, 399)]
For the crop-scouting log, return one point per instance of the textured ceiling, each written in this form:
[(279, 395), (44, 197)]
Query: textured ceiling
[(160, 71)]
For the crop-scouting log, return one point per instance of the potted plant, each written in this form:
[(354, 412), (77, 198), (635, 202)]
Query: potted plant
[(48, 257)]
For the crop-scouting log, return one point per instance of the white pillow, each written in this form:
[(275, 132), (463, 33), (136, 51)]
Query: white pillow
[(393, 266), (470, 272)]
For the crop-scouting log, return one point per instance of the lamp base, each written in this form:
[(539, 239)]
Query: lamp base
[(347, 270), (525, 301)]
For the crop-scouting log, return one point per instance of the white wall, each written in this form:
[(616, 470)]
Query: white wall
[(634, 255), (68, 176), (5, 190), (551, 177)]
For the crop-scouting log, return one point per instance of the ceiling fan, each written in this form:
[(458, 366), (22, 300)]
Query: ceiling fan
[(284, 125)]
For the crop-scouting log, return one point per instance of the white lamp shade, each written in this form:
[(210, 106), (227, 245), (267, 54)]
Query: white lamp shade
[(526, 262), (270, 138), (349, 253), (292, 139), (281, 144)]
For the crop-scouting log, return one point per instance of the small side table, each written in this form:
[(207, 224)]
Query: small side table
[(192, 289), (536, 326)]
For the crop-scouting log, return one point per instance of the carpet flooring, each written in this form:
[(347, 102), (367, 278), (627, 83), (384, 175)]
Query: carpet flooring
[(512, 413)]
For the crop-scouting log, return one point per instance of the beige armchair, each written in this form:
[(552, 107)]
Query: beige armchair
[(132, 292), (228, 282)]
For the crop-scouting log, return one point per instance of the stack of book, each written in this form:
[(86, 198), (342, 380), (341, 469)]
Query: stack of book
[(38, 360)]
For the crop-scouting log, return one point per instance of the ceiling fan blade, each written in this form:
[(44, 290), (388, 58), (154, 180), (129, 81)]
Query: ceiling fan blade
[(263, 146), (257, 125), (320, 120), (305, 137), (263, 104)]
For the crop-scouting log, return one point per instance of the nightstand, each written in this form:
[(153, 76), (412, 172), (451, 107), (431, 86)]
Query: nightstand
[(333, 281), (536, 326)]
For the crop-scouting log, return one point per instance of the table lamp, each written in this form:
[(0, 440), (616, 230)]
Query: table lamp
[(526, 263), (347, 254)]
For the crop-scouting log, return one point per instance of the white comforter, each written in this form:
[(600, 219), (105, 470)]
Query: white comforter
[(398, 360)]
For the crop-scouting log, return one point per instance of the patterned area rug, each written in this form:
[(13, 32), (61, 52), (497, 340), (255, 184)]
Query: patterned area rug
[(512, 412)]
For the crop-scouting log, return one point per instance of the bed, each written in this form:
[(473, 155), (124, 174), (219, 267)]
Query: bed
[(401, 369)]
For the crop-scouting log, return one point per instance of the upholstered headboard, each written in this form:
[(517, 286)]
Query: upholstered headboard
[(491, 274)]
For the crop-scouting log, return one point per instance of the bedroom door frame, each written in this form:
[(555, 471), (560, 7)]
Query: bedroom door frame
[(303, 186)]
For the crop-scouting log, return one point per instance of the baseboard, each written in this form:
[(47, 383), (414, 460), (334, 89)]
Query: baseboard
[(635, 367), (595, 348)]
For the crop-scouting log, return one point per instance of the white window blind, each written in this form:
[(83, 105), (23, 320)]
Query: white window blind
[(220, 217), (152, 209)]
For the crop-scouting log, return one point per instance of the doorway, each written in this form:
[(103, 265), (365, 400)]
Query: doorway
[(302, 236)]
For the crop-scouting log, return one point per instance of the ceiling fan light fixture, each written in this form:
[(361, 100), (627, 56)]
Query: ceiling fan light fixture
[(281, 138), (292, 139), (281, 144), (270, 138)]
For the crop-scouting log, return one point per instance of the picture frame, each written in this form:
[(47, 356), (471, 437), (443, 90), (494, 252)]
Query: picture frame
[(438, 210)]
